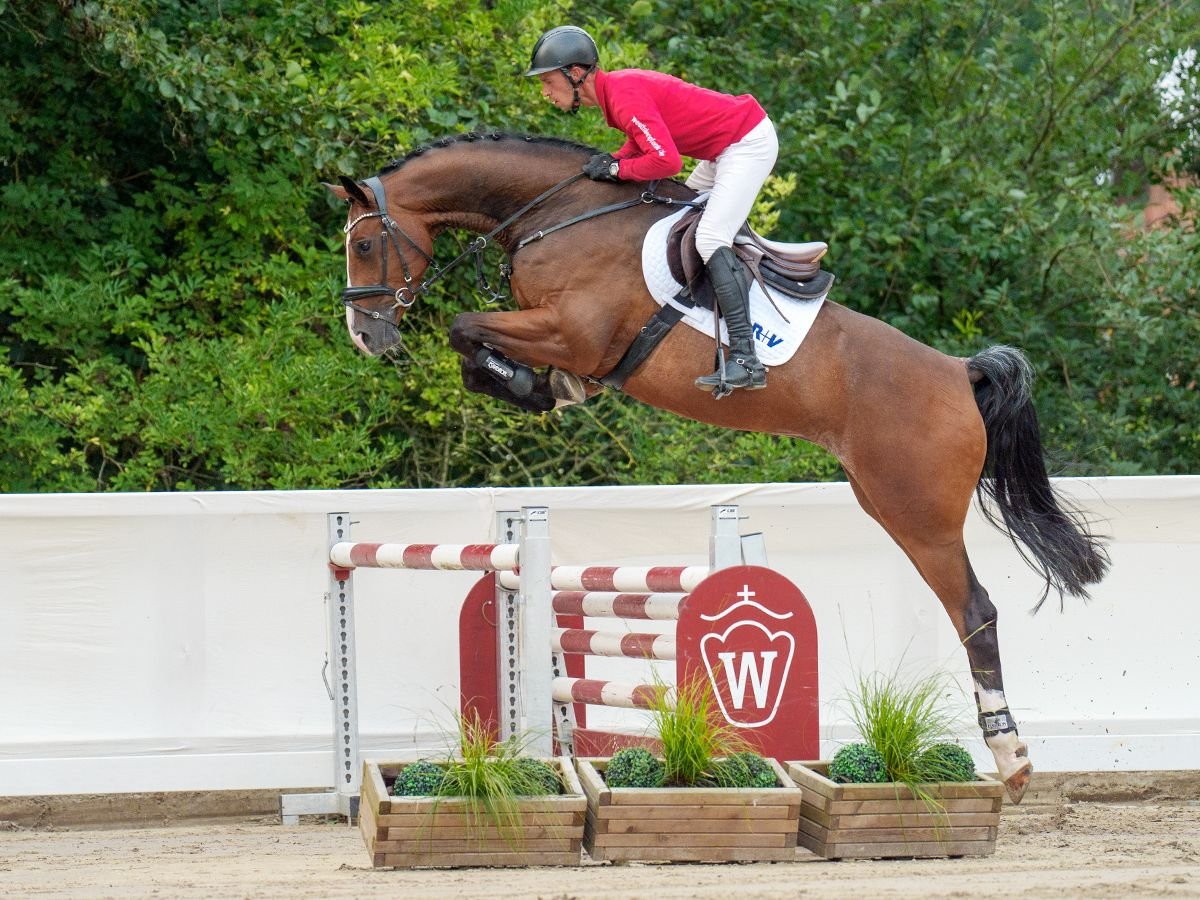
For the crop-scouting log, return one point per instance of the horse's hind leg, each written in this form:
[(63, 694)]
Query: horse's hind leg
[(997, 723), (930, 533)]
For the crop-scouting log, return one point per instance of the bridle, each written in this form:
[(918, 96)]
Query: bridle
[(392, 234), (407, 295)]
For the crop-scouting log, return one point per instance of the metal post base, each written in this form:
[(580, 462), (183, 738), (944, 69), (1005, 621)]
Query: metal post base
[(293, 806)]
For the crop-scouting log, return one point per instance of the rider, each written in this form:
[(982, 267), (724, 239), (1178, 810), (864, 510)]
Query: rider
[(663, 118)]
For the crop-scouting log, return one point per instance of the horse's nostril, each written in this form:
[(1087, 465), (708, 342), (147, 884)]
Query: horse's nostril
[(365, 338)]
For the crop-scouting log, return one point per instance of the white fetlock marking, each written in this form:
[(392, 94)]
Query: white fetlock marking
[(1011, 753), (989, 701)]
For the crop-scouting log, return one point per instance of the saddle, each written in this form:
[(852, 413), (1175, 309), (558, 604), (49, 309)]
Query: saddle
[(791, 269)]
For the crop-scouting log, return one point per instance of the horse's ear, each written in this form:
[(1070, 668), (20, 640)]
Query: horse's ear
[(349, 190)]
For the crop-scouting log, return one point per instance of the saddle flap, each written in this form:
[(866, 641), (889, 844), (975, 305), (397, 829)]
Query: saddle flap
[(683, 259), (816, 285)]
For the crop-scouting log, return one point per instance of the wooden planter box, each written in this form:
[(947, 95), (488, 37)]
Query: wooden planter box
[(429, 831), (688, 824), (865, 821)]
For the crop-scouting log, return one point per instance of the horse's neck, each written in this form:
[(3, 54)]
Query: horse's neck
[(478, 195)]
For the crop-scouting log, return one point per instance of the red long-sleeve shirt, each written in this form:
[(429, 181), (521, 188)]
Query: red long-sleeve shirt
[(665, 118)]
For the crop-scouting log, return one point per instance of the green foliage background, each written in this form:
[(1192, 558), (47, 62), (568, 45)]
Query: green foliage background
[(169, 264)]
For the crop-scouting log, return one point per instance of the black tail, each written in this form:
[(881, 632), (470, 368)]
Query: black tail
[(1057, 543)]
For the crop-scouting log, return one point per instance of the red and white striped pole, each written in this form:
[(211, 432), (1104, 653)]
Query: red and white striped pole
[(609, 605), (613, 643), (446, 557), (611, 693), (619, 579)]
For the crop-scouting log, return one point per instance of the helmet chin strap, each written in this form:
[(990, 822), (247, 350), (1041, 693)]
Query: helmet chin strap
[(575, 83)]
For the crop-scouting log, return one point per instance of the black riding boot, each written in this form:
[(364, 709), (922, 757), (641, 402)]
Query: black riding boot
[(742, 368)]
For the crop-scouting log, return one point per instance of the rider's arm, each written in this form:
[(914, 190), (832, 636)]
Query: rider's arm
[(628, 149), (654, 154)]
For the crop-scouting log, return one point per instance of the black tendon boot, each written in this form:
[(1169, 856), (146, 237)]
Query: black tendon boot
[(742, 368)]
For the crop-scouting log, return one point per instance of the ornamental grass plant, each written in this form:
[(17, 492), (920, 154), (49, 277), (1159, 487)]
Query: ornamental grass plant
[(906, 719), (490, 777), (699, 747), (901, 718), (491, 771)]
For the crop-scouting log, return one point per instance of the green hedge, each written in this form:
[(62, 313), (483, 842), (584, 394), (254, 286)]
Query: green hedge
[(169, 264)]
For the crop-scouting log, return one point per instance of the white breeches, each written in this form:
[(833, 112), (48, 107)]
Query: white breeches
[(733, 181)]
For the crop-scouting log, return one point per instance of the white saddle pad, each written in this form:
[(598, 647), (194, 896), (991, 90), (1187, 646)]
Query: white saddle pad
[(778, 333)]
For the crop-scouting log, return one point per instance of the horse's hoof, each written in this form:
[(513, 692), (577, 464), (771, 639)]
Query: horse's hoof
[(1018, 781), (566, 387)]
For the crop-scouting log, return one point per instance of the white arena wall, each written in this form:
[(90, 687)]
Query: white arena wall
[(169, 642)]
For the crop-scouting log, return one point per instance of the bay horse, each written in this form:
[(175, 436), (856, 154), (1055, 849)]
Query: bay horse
[(916, 431)]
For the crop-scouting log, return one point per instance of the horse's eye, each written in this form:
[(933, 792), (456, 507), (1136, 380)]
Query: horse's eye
[(363, 246)]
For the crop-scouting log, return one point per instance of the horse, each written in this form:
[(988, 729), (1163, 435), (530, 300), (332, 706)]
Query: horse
[(917, 432)]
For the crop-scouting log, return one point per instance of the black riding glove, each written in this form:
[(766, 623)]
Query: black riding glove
[(601, 167)]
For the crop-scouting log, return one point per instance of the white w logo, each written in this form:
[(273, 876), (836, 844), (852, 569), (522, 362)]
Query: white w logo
[(739, 669), (749, 672)]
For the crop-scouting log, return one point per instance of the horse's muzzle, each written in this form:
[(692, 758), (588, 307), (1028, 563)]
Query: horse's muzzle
[(371, 331)]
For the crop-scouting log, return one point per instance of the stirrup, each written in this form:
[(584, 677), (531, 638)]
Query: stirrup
[(732, 374)]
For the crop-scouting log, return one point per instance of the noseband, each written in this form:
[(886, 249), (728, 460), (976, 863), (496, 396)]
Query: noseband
[(391, 233)]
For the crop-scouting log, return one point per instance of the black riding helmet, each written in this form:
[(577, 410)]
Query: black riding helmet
[(561, 48)]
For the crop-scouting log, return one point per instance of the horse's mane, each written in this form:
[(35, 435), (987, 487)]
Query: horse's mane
[(473, 136)]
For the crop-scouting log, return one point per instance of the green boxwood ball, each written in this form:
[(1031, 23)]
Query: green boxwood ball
[(419, 779), (948, 762), (750, 770), (634, 767), (858, 764)]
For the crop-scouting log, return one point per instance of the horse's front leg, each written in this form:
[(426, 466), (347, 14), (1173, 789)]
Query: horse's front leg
[(500, 349), (538, 398)]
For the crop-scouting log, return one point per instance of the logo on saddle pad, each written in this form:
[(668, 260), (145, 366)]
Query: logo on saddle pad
[(747, 658), (760, 335)]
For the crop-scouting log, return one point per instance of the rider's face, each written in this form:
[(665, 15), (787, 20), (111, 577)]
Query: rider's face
[(557, 89)]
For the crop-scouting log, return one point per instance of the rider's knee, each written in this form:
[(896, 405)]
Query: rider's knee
[(709, 240)]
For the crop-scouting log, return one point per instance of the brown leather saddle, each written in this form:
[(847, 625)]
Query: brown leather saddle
[(791, 269)]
